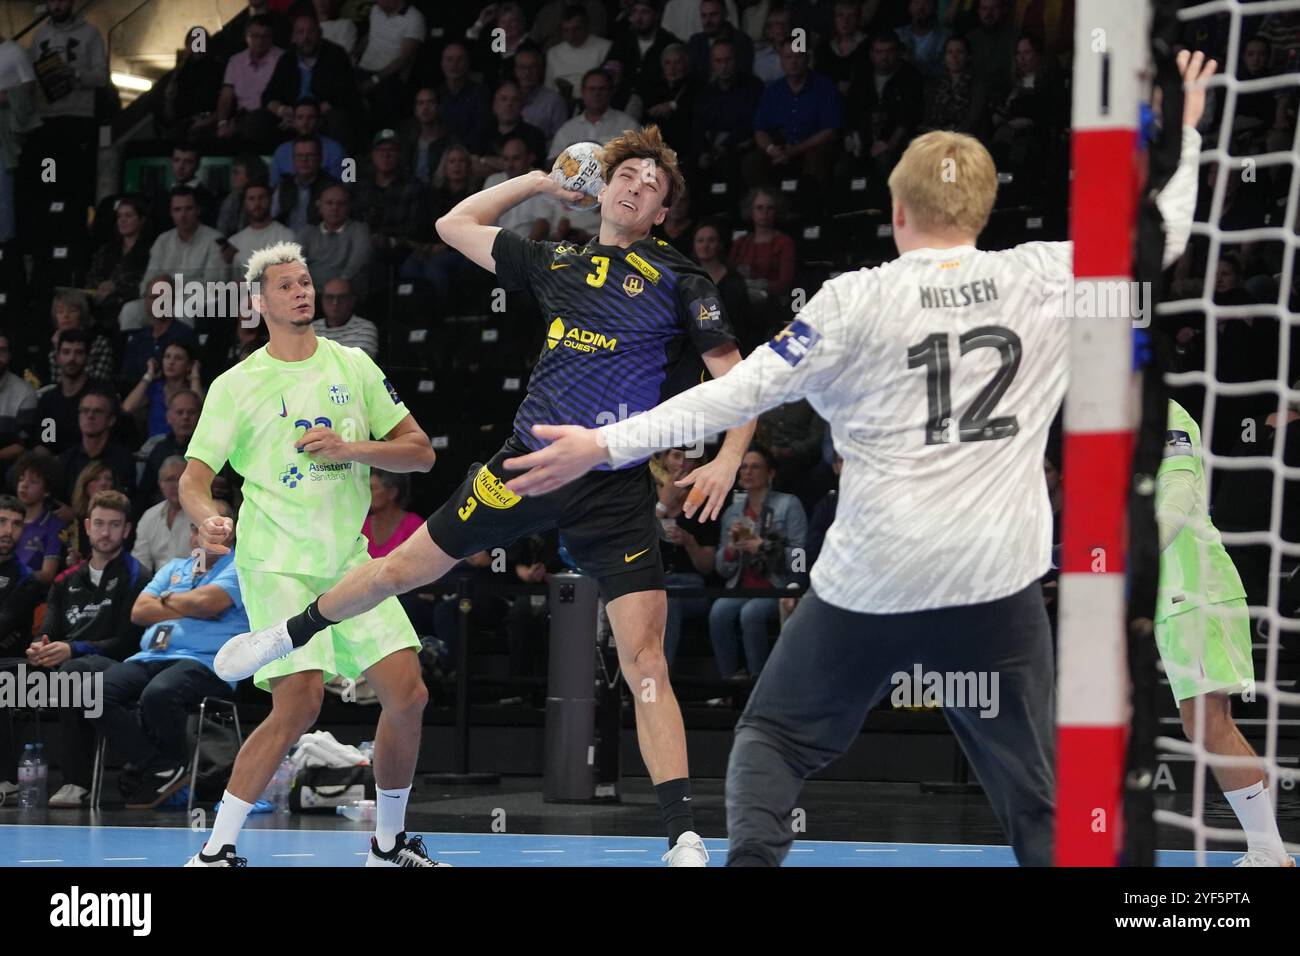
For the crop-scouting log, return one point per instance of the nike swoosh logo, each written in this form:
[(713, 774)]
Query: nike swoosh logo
[(1254, 795), (284, 412), (628, 559), (392, 796), (560, 265)]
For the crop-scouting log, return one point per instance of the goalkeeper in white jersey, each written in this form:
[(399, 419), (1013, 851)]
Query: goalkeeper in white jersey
[(1203, 633), (939, 373)]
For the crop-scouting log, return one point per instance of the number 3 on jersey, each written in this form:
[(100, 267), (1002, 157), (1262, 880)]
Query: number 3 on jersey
[(975, 425), (597, 279)]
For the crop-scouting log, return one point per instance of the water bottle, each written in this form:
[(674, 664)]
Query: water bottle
[(367, 748), (362, 811), (27, 778), (283, 782)]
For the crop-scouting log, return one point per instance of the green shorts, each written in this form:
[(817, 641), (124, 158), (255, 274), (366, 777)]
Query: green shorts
[(1207, 649), (345, 649)]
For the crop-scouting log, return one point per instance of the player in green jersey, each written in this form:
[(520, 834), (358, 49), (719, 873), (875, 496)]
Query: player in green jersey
[(1203, 633), (296, 420)]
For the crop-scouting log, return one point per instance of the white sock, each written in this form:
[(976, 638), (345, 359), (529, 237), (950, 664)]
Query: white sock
[(230, 820), (390, 816), (1254, 809)]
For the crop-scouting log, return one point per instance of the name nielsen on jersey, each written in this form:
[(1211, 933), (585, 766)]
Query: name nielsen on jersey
[(951, 297)]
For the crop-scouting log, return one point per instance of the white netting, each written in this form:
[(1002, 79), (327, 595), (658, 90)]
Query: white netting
[(1241, 268)]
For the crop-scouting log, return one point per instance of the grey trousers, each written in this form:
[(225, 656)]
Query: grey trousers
[(831, 666)]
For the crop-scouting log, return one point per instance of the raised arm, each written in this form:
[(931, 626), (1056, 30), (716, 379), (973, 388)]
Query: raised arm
[(470, 228)]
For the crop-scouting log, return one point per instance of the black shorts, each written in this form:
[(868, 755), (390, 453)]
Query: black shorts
[(606, 521)]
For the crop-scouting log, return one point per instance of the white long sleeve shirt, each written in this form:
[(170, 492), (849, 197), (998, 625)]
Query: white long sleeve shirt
[(939, 373)]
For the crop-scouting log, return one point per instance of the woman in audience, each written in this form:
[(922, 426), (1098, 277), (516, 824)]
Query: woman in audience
[(710, 251), (95, 477), (688, 545), (178, 370), (956, 102), (841, 56), (39, 546), (762, 531), (437, 263), (71, 310), (388, 523), (117, 267), (1025, 121), (765, 257)]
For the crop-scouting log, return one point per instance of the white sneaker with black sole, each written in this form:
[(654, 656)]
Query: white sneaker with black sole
[(69, 797), (226, 857), (689, 850), (407, 851), (245, 654)]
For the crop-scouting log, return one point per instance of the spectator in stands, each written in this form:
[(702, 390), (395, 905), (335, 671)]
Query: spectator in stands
[(819, 522), (70, 310), (388, 523), (17, 409), (496, 51), (190, 608), (234, 35), (957, 101), (319, 71), (190, 250), (767, 55), (164, 531), (233, 342), (20, 592), (149, 342), (533, 218), (340, 324), (261, 231), (464, 106), (19, 109), (794, 129), (570, 61), (1028, 118), (305, 116), (40, 546), (508, 123), (184, 172), (792, 432), (56, 407), (442, 267), (542, 106), (397, 31), (72, 67), (95, 477), (1256, 115), (177, 371), (97, 414), (678, 227), (710, 251), (993, 47), (247, 168), (724, 115), (548, 25), (338, 248), (118, 265), (424, 138), (334, 28), (633, 61), (185, 111), (761, 531), (182, 416), (843, 54), (87, 628), (240, 113), (923, 39), (533, 558), (684, 19), (765, 257), (714, 27), (688, 546), (1282, 31), (886, 107), (295, 201), (597, 122), (670, 101), (394, 204)]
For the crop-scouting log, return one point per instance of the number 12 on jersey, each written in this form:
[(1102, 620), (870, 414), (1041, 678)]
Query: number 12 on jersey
[(931, 353)]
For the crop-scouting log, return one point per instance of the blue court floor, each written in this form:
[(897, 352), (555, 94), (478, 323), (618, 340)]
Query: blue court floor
[(32, 845)]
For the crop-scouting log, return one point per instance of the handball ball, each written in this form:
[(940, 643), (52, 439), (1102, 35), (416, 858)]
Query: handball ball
[(578, 169)]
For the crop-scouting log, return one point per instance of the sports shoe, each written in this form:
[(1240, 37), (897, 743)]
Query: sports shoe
[(407, 851), (69, 796), (244, 655), (7, 789), (1260, 858), (688, 851), (154, 788), (225, 858)]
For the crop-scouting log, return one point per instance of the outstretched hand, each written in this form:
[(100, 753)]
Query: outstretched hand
[(1195, 70), (572, 452)]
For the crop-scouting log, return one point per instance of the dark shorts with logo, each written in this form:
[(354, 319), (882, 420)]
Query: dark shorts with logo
[(606, 520)]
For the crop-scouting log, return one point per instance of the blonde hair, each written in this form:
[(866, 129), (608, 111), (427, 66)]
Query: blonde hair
[(279, 254), (647, 143), (947, 183)]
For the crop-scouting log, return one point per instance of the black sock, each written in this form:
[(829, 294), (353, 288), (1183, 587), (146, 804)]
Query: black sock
[(303, 627), (675, 805)]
